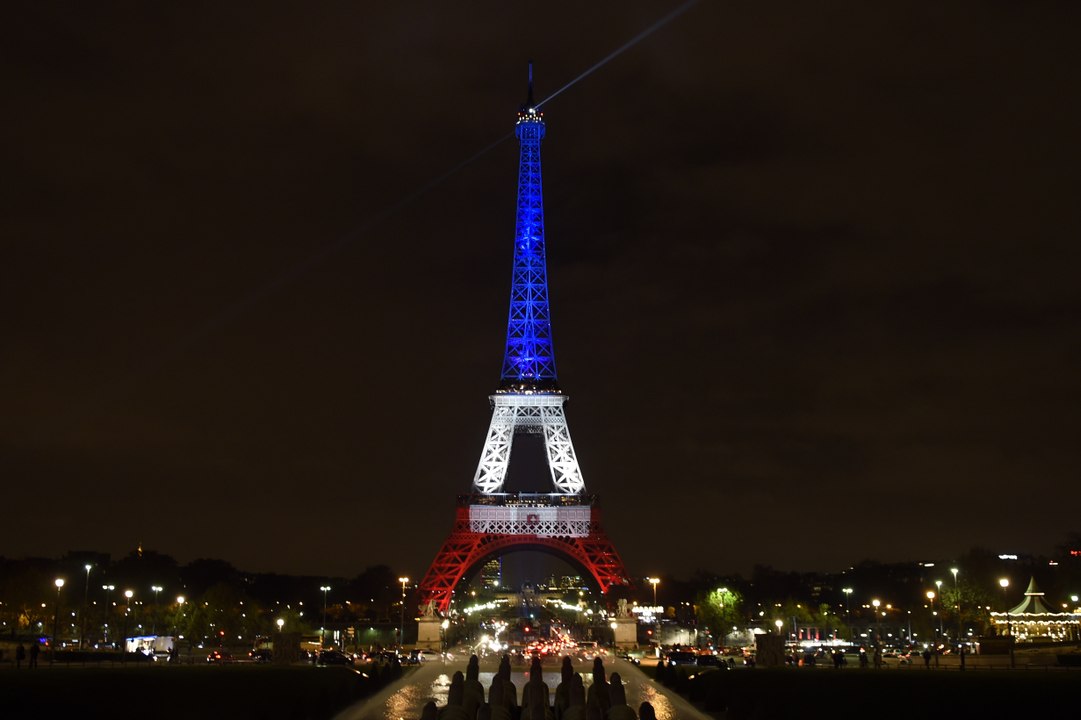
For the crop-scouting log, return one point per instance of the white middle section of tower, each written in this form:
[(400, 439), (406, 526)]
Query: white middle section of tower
[(540, 413)]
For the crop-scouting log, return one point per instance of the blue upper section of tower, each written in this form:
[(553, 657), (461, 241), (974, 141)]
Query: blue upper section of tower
[(529, 364)]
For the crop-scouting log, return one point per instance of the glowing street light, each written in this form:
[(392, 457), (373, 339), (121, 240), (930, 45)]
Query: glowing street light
[(105, 622), (401, 626), (127, 609), (280, 623), (778, 623), (654, 582), (59, 582), (86, 605), (957, 592), (154, 623), (323, 630), (179, 611), (931, 598)]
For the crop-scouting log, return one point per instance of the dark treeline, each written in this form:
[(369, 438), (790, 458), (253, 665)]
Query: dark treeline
[(219, 598)]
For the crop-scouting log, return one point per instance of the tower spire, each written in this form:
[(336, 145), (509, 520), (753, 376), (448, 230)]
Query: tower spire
[(529, 363), (529, 97)]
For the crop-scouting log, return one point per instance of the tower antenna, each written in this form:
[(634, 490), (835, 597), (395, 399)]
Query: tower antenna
[(529, 99)]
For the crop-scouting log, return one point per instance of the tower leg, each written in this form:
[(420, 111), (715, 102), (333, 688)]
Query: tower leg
[(562, 461)]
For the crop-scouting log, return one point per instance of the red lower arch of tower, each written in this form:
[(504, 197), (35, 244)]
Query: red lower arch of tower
[(473, 542)]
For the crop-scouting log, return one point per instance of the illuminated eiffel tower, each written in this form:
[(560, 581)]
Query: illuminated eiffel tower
[(490, 522)]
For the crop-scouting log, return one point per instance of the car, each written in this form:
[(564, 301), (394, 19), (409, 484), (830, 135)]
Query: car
[(333, 657), (261, 655), (682, 657), (219, 657), (710, 660)]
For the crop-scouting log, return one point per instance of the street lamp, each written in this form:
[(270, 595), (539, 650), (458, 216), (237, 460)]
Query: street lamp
[(105, 622), (878, 628), (957, 592), (127, 608), (323, 630), (154, 623), (86, 605), (179, 612), (654, 581), (931, 597), (778, 623), (56, 619), (1005, 583), (401, 627), (848, 611)]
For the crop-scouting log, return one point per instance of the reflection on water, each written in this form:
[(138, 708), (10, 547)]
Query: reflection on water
[(648, 693)]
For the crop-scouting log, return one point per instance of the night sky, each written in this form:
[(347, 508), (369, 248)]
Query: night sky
[(814, 273)]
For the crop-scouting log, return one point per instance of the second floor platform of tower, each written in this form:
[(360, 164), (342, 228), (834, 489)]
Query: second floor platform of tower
[(528, 499)]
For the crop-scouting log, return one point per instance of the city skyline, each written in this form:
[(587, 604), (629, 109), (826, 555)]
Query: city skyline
[(811, 278)]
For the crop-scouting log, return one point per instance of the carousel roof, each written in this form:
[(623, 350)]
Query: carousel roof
[(1033, 602)]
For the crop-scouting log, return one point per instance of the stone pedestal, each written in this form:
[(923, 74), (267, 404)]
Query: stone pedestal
[(769, 651), (430, 633), (625, 631)]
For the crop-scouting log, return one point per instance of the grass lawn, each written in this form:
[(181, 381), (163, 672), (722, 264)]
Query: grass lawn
[(255, 692)]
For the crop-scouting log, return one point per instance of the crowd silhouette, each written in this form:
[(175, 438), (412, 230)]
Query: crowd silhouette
[(606, 699)]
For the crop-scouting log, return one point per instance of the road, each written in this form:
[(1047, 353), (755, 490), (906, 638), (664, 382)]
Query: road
[(405, 699)]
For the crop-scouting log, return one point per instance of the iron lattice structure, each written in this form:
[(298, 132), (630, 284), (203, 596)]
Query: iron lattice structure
[(529, 400)]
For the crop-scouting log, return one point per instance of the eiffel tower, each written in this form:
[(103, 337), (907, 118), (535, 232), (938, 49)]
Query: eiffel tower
[(488, 521)]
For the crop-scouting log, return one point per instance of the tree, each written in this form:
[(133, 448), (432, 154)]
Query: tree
[(720, 609)]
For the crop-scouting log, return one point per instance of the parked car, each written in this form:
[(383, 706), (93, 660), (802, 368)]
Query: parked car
[(261, 655), (711, 660), (333, 657), (682, 657), (219, 657)]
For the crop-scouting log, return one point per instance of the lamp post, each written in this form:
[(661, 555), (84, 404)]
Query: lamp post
[(654, 582), (876, 603), (938, 588), (154, 622), (1005, 583), (323, 630), (401, 626), (779, 623), (179, 613), (931, 598), (127, 608), (957, 592), (59, 582), (105, 621), (848, 612), (86, 606)]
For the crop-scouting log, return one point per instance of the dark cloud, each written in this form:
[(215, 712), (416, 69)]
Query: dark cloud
[(808, 263)]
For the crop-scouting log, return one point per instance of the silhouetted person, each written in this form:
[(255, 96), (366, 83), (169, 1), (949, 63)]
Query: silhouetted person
[(498, 708), (535, 694), (618, 695), (598, 691), (34, 650), (430, 711), (646, 712), (455, 695), (927, 658), (510, 692), (878, 658), (20, 655), (576, 710), (474, 691), (961, 654), (563, 689)]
